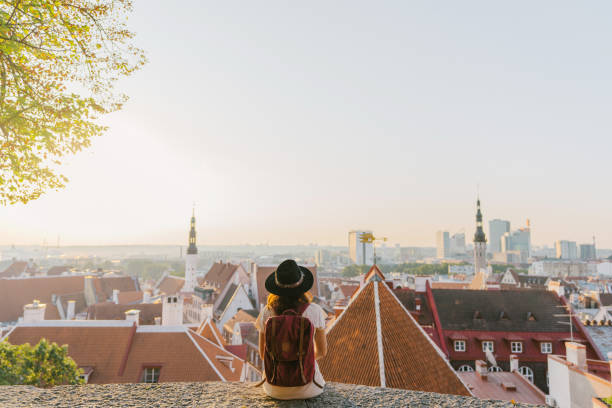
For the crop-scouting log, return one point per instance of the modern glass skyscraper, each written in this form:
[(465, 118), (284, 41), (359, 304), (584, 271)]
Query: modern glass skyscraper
[(497, 228)]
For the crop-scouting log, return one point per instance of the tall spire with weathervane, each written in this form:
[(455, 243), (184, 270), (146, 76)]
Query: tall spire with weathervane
[(191, 260), (480, 242)]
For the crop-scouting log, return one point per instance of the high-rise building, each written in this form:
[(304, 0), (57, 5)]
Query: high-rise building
[(497, 228), (361, 253), (521, 241), (588, 252), (457, 244), (480, 243), (566, 249), (191, 260), (442, 244)]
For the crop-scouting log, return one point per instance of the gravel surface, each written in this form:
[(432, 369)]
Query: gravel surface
[(217, 394)]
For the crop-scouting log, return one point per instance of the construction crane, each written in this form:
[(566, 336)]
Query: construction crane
[(369, 238)]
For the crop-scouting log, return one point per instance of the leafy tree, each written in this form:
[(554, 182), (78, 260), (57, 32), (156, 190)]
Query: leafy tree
[(59, 62), (354, 270), (43, 365)]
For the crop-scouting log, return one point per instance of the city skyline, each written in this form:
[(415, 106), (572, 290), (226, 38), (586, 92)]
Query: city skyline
[(286, 134)]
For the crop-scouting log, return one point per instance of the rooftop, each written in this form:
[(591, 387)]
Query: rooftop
[(226, 395)]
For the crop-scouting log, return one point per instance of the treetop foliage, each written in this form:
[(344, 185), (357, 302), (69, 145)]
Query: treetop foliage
[(43, 365), (59, 62)]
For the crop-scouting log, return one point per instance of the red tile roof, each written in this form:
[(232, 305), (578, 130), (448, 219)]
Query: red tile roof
[(492, 388), (133, 296), (106, 284), (100, 347), (111, 311), (209, 331), (219, 274), (57, 270), (171, 285), (348, 290), (410, 358), (16, 293), (119, 353), (17, 268)]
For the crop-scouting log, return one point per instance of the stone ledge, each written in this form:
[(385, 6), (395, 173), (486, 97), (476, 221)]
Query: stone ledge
[(220, 394)]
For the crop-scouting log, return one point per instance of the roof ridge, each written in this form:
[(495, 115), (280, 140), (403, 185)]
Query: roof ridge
[(381, 356), (205, 355), (435, 346), (351, 300)]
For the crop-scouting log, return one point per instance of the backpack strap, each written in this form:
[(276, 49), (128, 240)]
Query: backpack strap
[(300, 353), (273, 353)]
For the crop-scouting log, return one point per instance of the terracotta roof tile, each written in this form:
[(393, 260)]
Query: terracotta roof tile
[(130, 297), (348, 290), (17, 268), (111, 311), (242, 316), (102, 348), (107, 348), (213, 351), (106, 284), (80, 305), (15, 293), (171, 285), (57, 270), (411, 360), (491, 388), (209, 331), (352, 355), (219, 274)]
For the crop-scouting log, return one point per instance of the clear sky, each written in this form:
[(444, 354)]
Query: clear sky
[(294, 122)]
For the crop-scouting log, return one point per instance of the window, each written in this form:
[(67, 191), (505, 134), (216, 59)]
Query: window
[(465, 368), (526, 372), (150, 375), (546, 347), (495, 369), (459, 345), (487, 345), (516, 346)]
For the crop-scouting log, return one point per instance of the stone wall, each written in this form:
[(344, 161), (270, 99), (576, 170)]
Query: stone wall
[(219, 394)]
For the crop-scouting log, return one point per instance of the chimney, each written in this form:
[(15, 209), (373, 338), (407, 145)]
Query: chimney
[(133, 315), (146, 296), (514, 363), (157, 320), (70, 310), (90, 292), (576, 354), (34, 312), (417, 304), (116, 296), (481, 369), (172, 310)]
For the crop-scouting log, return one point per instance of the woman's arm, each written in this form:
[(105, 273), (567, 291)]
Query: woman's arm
[(320, 343)]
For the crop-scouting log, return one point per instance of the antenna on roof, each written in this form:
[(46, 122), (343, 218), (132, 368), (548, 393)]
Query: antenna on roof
[(570, 315)]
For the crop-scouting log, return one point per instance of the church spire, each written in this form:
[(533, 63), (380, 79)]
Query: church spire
[(479, 236), (192, 249)]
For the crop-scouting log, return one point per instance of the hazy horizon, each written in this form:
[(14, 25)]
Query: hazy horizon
[(295, 123)]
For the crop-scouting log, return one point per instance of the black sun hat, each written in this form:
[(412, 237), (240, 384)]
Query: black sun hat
[(289, 279)]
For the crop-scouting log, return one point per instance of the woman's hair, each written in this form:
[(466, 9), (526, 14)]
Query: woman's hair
[(281, 303)]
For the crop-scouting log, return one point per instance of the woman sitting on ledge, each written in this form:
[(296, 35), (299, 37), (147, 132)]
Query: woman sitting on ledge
[(291, 335)]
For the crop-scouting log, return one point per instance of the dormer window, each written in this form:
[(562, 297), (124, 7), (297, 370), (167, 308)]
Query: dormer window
[(226, 361), (516, 346), (459, 345), (150, 375)]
